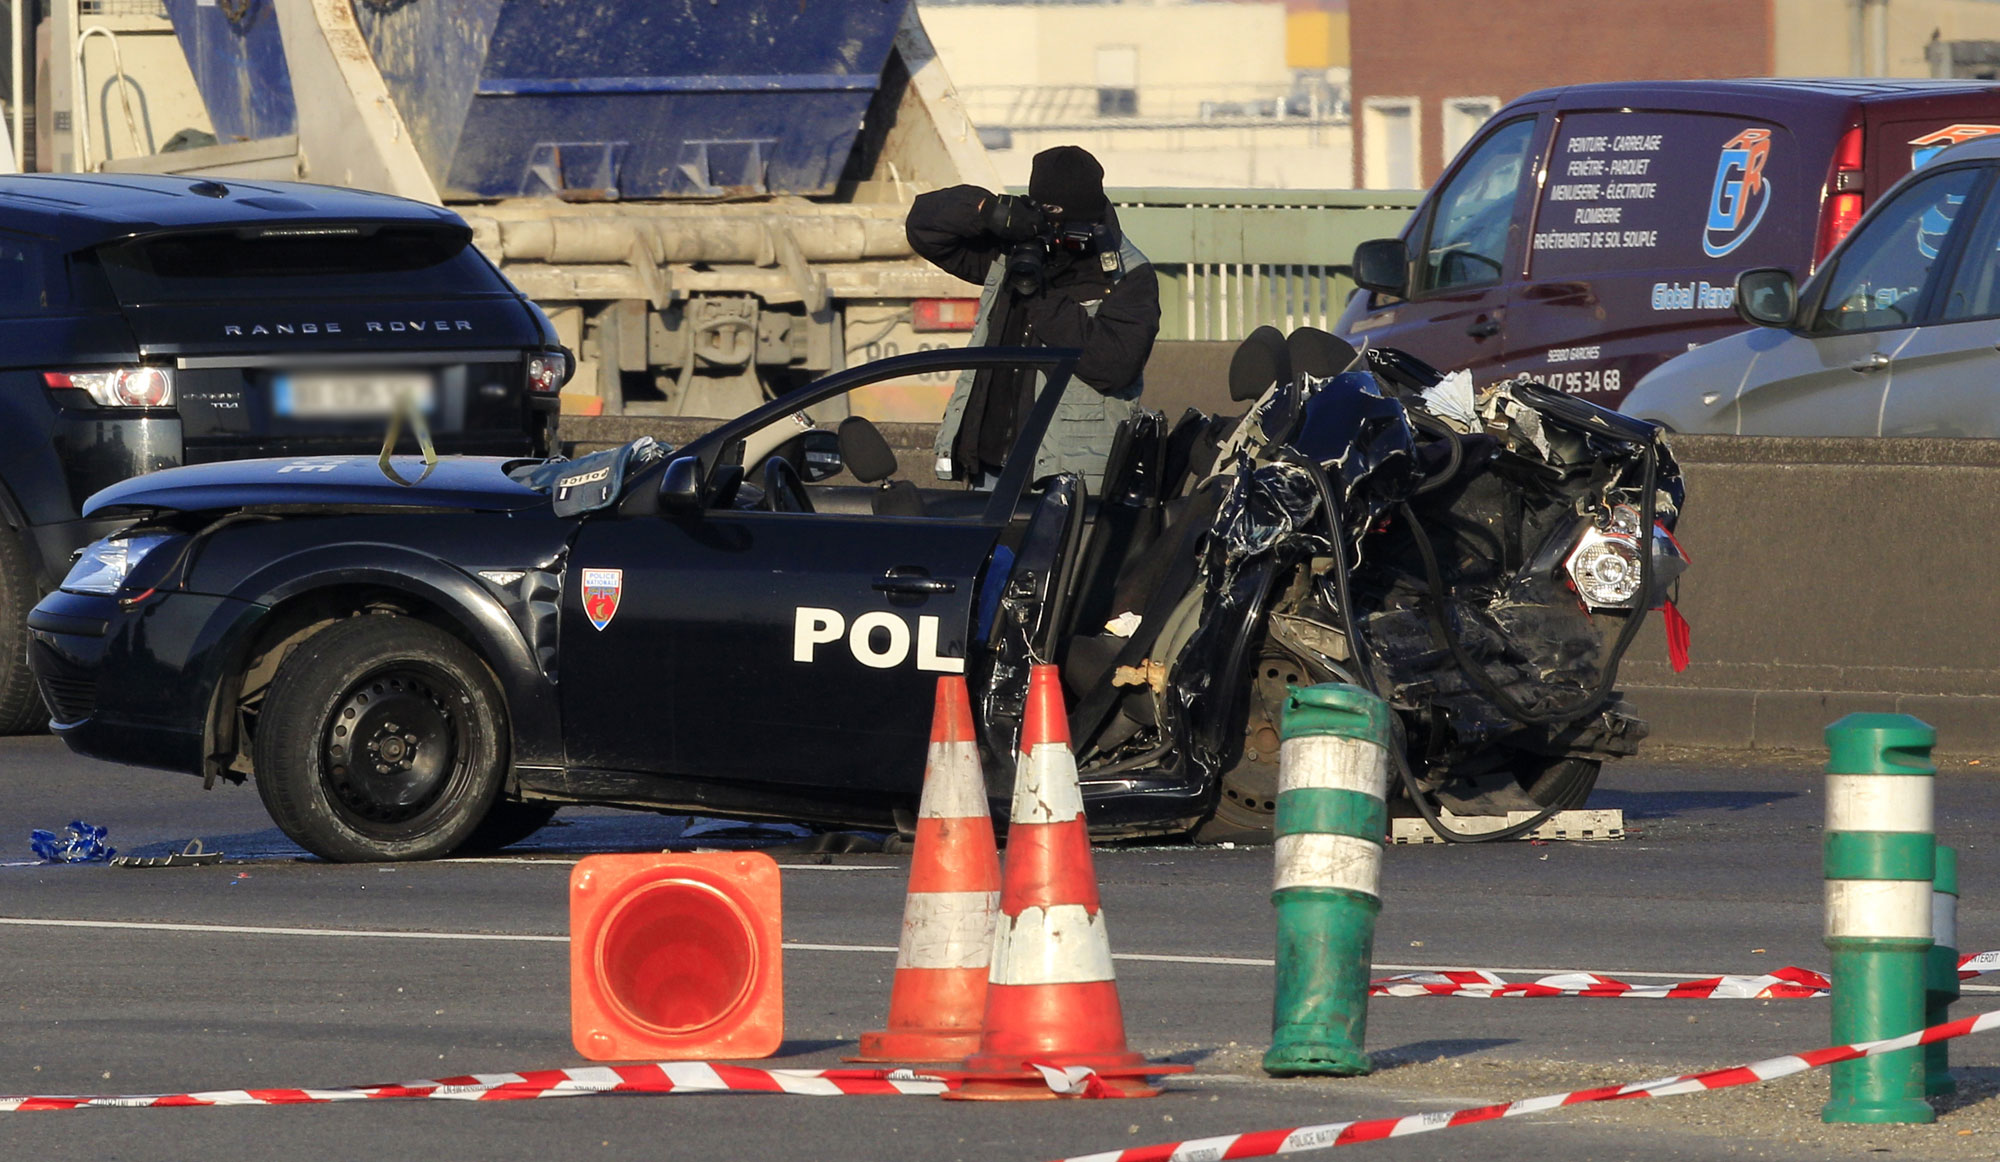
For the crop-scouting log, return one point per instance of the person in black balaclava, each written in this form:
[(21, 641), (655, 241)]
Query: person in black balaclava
[(1055, 272)]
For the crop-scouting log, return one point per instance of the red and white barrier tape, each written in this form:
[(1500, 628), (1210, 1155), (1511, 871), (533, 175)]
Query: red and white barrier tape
[(661, 1078), (1785, 983), (1788, 983), (704, 1077), (1269, 1143)]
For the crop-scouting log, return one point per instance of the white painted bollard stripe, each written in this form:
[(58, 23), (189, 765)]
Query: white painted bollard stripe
[(1045, 789), (947, 929), (1060, 944), (1314, 860), (1321, 762), (1878, 803), (1890, 909), (947, 793)]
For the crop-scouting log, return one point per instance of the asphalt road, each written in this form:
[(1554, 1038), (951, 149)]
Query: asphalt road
[(1723, 877)]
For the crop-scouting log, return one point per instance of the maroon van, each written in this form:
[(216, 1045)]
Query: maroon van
[(1589, 233)]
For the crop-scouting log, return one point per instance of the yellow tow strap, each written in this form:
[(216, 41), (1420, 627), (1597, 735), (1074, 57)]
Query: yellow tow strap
[(406, 406)]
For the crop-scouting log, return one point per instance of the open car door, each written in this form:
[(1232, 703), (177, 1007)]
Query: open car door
[(762, 638)]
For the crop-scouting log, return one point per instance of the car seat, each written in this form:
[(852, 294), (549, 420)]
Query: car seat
[(868, 456)]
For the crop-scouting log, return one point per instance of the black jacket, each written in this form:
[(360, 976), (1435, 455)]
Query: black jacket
[(947, 227)]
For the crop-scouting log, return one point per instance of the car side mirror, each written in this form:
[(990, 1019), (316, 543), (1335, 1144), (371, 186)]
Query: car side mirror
[(821, 457), (1767, 297), (680, 487), (1382, 265)]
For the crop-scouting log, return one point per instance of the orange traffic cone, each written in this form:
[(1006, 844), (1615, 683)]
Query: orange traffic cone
[(939, 997), (1051, 998)]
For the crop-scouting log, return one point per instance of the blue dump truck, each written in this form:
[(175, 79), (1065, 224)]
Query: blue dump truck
[(707, 200)]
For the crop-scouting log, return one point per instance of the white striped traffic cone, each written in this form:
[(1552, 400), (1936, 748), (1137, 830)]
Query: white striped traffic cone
[(939, 996), (1051, 998)]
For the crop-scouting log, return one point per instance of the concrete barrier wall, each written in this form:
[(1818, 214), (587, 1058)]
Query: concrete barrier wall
[(1829, 575)]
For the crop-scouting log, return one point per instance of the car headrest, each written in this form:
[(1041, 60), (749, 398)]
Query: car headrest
[(864, 452), (898, 499), (1318, 353), (1260, 360)]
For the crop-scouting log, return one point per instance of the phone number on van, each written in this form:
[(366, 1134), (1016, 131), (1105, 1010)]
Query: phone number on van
[(1583, 382)]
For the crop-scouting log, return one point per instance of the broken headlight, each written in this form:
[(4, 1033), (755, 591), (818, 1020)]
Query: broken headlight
[(1605, 566), (102, 566)]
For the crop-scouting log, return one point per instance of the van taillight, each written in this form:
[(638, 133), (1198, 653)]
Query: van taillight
[(1840, 208)]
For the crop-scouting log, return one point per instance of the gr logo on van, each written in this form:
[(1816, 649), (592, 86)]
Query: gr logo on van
[(879, 639), (1741, 195)]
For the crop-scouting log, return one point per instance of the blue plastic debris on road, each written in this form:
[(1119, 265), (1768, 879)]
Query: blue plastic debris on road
[(83, 844)]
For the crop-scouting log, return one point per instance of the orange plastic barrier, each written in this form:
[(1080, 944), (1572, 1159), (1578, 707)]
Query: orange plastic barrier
[(676, 957)]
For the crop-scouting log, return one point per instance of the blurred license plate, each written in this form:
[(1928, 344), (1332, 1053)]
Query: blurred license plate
[(349, 394)]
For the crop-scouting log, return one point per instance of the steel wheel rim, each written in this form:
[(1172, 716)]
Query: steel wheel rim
[(393, 749), (1256, 794)]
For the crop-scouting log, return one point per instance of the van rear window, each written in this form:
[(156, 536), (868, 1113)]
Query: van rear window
[(299, 263), (1646, 191)]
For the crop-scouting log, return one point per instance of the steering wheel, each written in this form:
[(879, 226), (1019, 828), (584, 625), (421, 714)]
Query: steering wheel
[(783, 490)]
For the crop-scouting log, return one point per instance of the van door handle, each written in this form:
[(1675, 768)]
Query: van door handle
[(1484, 328), (913, 580), (1874, 362)]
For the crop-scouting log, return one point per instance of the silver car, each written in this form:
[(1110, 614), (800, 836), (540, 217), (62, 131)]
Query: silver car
[(1894, 335)]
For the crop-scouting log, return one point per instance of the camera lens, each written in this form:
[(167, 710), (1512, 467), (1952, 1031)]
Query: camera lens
[(1027, 267)]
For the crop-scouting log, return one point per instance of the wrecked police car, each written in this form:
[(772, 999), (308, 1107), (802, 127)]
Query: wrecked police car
[(752, 625)]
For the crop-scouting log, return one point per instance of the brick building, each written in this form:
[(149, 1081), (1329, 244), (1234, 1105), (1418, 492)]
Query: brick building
[(1427, 73)]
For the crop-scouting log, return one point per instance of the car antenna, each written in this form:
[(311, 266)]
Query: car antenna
[(209, 189)]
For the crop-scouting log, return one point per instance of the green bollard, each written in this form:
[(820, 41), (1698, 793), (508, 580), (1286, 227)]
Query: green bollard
[(1941, 970), (1880, 859), (1333, 779)]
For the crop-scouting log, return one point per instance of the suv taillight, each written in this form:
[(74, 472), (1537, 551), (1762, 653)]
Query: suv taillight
[(1840, 208), (548, 371), (120, 387)]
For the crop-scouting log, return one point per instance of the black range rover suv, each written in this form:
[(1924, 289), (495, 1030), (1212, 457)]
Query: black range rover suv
[(147, 322)]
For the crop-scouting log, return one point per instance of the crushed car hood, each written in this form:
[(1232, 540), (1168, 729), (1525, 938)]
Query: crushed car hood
[(477, 483)]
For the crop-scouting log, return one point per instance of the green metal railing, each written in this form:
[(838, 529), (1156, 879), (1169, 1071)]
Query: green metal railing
[(1229, 260)]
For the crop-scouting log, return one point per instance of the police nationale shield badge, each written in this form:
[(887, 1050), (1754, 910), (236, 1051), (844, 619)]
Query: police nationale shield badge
[(601, 588)]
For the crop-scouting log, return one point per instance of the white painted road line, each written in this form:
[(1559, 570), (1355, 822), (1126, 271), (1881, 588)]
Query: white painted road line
[(252, 930), (572, 860), (887, 949)]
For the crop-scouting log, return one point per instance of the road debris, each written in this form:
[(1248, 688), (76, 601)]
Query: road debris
[(84, 843)]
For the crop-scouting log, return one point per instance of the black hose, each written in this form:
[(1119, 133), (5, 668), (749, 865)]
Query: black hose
[(1444, 431), (1399, 751), (1435, 580)]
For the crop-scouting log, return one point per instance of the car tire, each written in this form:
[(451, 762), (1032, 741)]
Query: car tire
[(508, 823), (1562, 782), (339, 696), (21, 707)]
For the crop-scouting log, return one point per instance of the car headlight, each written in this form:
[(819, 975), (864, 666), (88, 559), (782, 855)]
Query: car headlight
[(103, 565), (1605, 568)]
